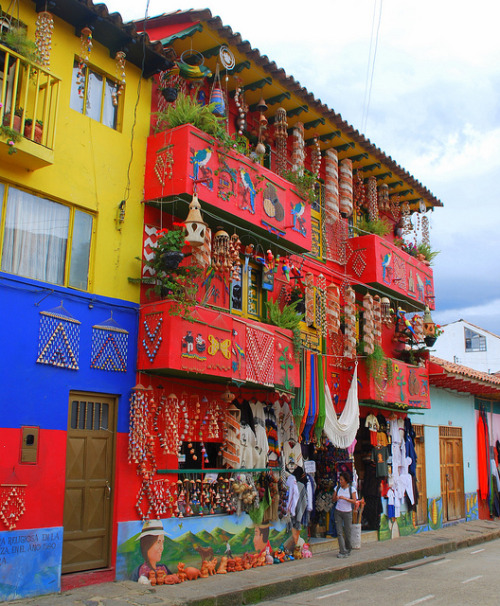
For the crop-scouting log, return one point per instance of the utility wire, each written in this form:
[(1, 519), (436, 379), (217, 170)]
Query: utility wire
[(371, 68)]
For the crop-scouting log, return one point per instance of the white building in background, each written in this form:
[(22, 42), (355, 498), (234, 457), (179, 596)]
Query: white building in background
[(467, 344)]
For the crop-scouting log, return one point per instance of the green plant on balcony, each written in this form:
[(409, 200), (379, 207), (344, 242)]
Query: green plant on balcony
[(188, 111), (15, 38), (287, 317), (305, 183), (171, 280), (378, 227), (11, 137), (426, 251), (377, 364)]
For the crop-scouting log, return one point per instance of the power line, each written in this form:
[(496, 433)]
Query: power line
[(370, 70)]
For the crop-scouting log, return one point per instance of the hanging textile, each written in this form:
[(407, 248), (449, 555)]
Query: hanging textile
[(342, 431), (320, 420), (307, 391), (482, 455), (311, 409), (298, 403)]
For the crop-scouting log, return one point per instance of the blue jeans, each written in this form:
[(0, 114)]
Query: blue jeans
[(332, 528), (343, 521)]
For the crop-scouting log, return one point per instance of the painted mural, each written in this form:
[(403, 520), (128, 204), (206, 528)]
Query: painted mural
[(30, 562), (200, 547)]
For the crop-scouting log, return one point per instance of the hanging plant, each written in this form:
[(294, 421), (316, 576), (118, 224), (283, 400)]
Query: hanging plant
[(16, 38), (171, 280), (377, 363)]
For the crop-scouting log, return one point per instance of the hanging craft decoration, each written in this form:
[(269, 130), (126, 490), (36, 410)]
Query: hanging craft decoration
[(372, 199), (59, 339), (316, 157), (195, 226), (350, 323), (405, 215), (202, 255), (217, 95), (333, 308), (260, 148), (377, 319), (226, 58), (384, 204), (298, 152), (166, 423), (395, 207), (152, 334), (345, 188), (425, 230), (121, 77), (385, 310), (85, 50), (332, 184), (12, 504), (368, 325), (309, 299), (359, 192), (418, 328), (234, 254), (221, 255), (281, 137), (43, 37), (242, 109), (191, 66), (109, 346), (321, 306), (231, 446)]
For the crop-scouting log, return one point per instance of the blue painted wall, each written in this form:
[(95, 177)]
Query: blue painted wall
[(38, 394), (458, 408)]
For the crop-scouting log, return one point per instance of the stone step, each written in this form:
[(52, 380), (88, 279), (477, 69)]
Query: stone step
[(324, 544)]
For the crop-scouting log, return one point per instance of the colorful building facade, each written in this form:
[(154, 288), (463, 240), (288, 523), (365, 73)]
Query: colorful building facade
[(166, 392)]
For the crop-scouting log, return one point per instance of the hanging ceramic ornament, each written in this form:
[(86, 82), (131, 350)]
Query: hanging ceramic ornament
[(195, 226), (281, 136), (242, 108), (221, 258), (120, 76), (316, 157), (85, 50), (43, 36)]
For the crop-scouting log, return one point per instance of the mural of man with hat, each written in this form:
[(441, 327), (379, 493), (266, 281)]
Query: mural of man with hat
[(151, 540)]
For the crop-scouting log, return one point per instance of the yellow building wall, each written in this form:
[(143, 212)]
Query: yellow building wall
[(91, 162)]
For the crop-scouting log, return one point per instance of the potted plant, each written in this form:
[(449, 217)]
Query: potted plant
[(11, 137), (425, 253), (28, 130), (188, 111), (15, 38), (171, 280)]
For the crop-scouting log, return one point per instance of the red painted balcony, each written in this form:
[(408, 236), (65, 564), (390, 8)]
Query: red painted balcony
[(243, 190), (218, 345), (405, 384), (376, 261)]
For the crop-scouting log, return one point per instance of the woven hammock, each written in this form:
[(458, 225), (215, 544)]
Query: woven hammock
[(342, 431)]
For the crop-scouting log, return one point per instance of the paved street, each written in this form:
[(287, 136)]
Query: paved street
[(468, 576)]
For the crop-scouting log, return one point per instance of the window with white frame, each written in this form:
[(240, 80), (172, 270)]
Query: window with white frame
[(45, 240), (474, 341), (95, 95)]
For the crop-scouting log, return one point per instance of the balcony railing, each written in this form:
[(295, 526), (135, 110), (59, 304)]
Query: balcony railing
[(217, 345), (236, 186), (29, 96), (399, 384), (376, 261)]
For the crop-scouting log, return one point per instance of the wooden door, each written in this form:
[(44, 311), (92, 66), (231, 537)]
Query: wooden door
[(89, 480), (452, 473), (421, 479)]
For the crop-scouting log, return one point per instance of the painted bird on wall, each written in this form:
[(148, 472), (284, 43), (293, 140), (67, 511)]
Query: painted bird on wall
[(199, 160), (386, 263), (298, 222), (247, 184)]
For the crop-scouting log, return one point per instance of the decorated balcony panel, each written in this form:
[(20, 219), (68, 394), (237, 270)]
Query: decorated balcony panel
[(395, 382), (376, 261), (218, 345), (28, 107), (234, 184)]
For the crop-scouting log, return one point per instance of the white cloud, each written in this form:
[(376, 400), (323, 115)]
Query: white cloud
[(485, 316)]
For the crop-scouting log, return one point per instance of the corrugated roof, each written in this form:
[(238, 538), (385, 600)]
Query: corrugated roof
[(279, 75)]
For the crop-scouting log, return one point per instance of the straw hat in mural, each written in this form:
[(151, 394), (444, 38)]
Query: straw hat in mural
[(151, 528)]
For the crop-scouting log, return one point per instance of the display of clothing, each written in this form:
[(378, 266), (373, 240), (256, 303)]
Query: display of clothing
[(380, 456)]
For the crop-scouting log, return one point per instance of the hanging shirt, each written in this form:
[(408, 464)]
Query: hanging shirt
[(380, 456)]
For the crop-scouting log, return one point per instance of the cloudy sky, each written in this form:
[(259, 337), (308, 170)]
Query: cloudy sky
[(434, 107)]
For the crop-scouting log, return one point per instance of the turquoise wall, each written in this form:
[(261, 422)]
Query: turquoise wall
[(458, 409)]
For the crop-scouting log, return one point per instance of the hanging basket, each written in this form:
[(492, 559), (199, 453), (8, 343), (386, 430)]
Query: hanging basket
[(429, 341), (217, 97), (171, 259), (169, 93)]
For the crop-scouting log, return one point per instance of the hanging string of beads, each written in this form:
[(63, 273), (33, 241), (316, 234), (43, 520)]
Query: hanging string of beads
[(405, 215), (281, 137), (120, 77), (309, 298), (359, 191), (377, 320), (85, 50), (333, 308), (298, 153), (321, 311), (43, 36), (316, 157), (425, 230), (242, 109), (368, 325), (350, 323), (372, 199), (395, 207), (221, 254), (384, 204), (234, 253)]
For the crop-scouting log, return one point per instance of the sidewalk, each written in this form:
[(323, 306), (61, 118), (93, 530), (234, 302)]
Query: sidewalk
[(264, 583)]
